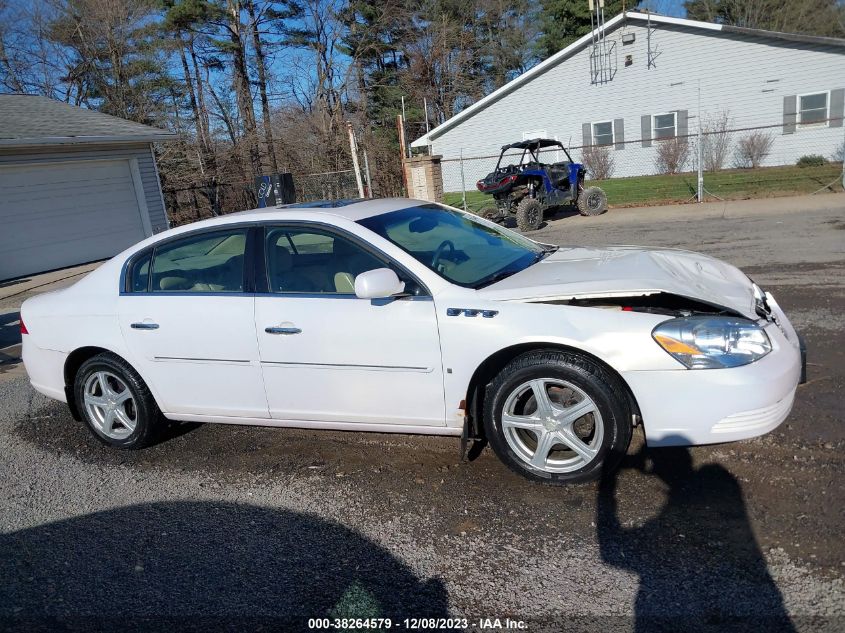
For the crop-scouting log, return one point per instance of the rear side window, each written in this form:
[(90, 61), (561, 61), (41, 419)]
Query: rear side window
[(139, 273), (209, 262)]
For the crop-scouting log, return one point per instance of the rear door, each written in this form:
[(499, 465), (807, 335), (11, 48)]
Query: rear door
[(187, 315)]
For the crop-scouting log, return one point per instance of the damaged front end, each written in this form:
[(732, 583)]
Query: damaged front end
[(661, 303)]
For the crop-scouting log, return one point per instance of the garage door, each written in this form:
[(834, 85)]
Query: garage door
[(61, 214)]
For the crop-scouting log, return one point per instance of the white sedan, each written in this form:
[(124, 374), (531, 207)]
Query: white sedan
[(411, 317)]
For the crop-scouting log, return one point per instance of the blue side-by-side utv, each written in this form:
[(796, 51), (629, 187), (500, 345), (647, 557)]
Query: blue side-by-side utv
[(530, 188)]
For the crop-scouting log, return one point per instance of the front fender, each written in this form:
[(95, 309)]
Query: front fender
[(620, 339)]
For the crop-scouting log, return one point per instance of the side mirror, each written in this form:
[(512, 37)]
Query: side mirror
[(378, 284)]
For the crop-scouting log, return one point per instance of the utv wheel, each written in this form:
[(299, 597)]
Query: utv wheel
[(557, 418), (489, 213), (529, 215), (115, 403), (592, 201)]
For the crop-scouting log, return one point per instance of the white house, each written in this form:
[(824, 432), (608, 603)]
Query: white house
[(653, 77)]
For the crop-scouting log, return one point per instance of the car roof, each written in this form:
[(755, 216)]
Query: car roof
[(351, 209)]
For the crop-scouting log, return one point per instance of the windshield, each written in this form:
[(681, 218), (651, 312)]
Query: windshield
[(455, 245)]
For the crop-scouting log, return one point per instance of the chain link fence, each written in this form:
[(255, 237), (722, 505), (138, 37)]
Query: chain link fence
[(186, 204), (736, 162), (330, 185)]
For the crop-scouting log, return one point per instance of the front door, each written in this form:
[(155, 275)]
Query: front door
[(190, 325), (329, 356)]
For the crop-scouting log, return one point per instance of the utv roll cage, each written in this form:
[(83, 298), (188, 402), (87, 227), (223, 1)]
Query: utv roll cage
[(532, 148)]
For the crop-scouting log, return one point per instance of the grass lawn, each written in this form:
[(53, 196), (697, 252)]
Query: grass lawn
[(730, 184)]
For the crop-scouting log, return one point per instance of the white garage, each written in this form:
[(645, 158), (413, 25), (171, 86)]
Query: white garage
[(75, 185)]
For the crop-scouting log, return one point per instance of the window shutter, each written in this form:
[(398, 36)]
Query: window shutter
[(790, 114), (837, 107), (645, 129), (682, 124), (587, 134), (619, 133)]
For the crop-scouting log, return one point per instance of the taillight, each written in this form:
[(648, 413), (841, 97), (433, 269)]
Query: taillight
[(23, 327)]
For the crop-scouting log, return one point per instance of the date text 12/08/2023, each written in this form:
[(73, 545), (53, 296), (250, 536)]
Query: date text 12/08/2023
[(417, 624)]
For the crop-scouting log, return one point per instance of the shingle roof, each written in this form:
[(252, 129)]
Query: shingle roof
[(34, 120)]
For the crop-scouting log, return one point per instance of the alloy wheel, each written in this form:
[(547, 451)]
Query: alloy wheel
[(552, 425), (110, 405)]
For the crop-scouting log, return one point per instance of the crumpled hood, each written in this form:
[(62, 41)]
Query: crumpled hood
[(627, 270)]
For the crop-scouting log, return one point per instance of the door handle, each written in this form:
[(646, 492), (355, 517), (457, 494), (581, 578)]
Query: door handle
[(282, 330), (144, 325)]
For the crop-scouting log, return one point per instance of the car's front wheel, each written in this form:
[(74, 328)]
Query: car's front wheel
[(115, 403), (557, 417)]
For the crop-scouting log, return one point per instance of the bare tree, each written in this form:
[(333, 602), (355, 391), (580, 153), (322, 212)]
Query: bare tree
[(672, 155), (715, 141), (240, 81), (599, 161), (752, 149)]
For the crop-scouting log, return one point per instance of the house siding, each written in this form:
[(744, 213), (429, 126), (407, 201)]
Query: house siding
[(141, 152), (747, 76)]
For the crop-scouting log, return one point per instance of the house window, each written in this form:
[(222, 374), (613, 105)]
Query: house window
[(603, 133), (812, 109), (663, 126)]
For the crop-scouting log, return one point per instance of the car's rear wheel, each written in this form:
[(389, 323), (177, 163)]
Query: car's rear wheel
[(529, 214), (592, 201), (115, 403), (557, 417)]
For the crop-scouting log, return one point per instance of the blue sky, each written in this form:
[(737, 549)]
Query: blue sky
[(675, 8)]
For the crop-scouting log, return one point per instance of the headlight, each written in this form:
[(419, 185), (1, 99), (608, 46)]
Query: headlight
[(712, 342)]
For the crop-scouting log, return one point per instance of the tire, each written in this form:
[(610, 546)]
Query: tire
[(604, 428), (592, 201), (489, 213), (529, 214), (130, 421)]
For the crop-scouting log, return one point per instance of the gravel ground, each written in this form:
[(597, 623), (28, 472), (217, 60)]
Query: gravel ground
[(220, 523)]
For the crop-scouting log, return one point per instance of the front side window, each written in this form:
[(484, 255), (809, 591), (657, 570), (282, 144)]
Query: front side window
[(603, 133), (664, 126), (455, 245), (813, 108), (314, 261), (209, 262)]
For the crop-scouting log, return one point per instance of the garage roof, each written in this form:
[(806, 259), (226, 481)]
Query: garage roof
[(34, 120)]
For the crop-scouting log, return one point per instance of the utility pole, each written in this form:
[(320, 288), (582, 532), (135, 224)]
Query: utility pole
[(367, 175), (700, 152), (400, 130), (353, 147)]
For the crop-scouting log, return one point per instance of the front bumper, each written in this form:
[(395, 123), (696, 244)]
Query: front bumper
[(707, 406)]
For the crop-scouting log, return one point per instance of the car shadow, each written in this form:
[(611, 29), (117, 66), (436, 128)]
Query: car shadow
[(202, 566), (699, 565)]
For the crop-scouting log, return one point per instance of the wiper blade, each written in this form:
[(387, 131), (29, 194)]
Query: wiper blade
[(489, 281)]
